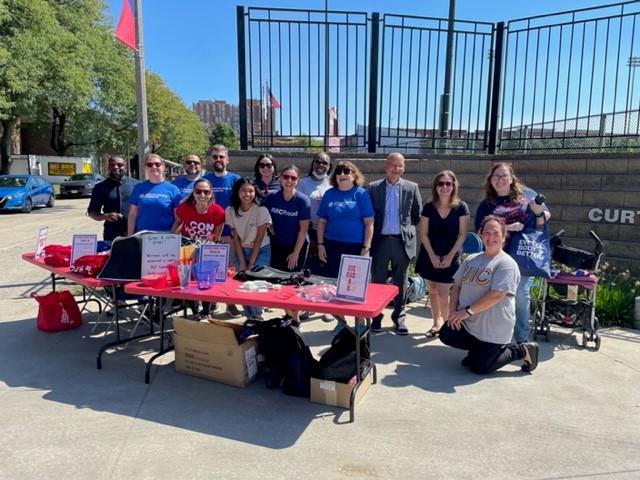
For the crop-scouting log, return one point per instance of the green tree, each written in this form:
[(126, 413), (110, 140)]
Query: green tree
[(223, 134)]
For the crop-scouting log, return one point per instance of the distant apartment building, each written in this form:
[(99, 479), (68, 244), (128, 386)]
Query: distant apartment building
[(259, 117)]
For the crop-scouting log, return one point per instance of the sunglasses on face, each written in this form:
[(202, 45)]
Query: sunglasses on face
[(444, 184), (343, 170), (289, 177), (153, 164), (265, 165), (192, 162), (321, 162), (216, 157), (198, 191)]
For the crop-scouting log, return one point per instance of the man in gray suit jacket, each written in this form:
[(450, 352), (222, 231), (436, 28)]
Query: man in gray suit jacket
[(397, 204)]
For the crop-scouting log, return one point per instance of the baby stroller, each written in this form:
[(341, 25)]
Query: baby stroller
[(568, 299)]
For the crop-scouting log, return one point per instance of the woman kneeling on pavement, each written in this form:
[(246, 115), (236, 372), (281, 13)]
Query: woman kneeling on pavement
[(482, 307)]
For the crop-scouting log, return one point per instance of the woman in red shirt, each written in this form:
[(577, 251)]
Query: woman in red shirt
[(198, 217)]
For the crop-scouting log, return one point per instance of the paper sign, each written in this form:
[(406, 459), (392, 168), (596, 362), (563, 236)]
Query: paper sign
[(218, 252), (158, 250), (353, 278), (42, 241), (83, 244)]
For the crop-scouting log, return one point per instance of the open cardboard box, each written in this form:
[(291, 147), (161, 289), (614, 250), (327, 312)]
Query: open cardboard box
[(210, 350)]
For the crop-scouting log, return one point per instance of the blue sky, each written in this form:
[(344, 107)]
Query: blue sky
[(191, 44)]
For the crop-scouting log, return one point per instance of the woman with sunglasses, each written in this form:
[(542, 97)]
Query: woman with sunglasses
[(345, 220), (290, 215), (198, 217), (314, 186), (266, 174), (248, 221), (520, 207), (442, 231), (153, 201)]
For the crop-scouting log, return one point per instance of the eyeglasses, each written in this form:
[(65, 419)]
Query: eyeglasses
[(153, 164), (321, 162), (500, 177), (197, 191), (265, 165), (192, 162), (216, 157), (343, 170), (444, 184), (289, 177), (117, 165)]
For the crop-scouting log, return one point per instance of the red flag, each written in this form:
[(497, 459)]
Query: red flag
[(126, 29), (273, 100)]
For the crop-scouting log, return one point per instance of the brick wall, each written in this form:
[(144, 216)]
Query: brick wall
[(584, 192)]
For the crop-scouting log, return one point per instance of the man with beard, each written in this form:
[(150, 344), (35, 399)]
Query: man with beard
[(192, 172), (222, 185), (110, 199)]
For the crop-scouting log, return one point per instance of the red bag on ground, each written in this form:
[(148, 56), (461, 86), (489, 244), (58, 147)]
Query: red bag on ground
[(57, 310), (90, 265), (57, 255)]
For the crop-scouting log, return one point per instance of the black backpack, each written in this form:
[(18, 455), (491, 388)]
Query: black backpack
[(339, 362), (288, 359)]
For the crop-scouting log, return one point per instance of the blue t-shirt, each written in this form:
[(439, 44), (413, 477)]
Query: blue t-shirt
[(156, 203), (222, 190), (184, 185), (287, 214), (344, 212)]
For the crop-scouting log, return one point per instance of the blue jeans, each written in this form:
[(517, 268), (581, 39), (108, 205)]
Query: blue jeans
[(523, 310), (263, 259)]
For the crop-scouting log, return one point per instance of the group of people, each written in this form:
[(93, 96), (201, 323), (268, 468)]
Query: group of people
[(281, 220)]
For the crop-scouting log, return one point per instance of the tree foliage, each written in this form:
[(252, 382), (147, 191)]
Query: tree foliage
[(61, 69), (223, 134)]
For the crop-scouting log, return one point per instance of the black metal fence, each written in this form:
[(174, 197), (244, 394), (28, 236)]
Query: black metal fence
[(352, 81)]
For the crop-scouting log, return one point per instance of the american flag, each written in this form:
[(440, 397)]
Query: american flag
[(273, 100)]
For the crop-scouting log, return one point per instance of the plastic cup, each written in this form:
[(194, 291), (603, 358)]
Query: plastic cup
[(204, 282), (184, 273)]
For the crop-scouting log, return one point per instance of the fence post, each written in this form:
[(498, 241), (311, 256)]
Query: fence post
[(372, 128), (242, 78), (494, 114)]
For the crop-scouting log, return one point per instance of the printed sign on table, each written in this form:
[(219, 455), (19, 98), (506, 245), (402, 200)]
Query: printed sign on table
[(42, 241), (83, 244), (159, 250), (353, 278), (218, 252)]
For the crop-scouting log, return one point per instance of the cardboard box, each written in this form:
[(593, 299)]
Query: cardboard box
[(337, 394), (210, 350)]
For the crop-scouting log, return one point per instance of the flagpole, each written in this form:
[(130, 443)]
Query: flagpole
[(141, 93)]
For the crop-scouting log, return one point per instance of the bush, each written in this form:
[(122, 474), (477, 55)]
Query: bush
[(615, 297)]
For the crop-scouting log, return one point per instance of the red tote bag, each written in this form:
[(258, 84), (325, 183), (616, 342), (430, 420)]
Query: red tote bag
[(57, 310)]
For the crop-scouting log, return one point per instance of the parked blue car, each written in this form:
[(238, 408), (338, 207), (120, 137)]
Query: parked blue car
[(23, 192)]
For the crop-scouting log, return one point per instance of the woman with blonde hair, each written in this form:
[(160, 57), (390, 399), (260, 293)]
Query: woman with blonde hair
[(442, 231)]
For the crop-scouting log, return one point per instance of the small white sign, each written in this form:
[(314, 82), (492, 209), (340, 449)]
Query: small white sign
[(218, 252), (42, 241), (83, 244), (159, 250), (353, 278)]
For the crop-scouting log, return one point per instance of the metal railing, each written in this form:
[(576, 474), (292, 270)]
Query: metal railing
[(353, 81)]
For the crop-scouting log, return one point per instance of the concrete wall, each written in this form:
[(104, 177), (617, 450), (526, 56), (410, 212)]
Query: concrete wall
[(599, 192)]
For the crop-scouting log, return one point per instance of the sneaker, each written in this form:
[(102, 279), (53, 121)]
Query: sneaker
[(401, 329), (233, 311), (304, 316), (338, 328), (531, 352), (326, 318), (376, 323)]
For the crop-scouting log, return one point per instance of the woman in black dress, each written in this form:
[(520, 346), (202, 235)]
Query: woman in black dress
[(443, 228)]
